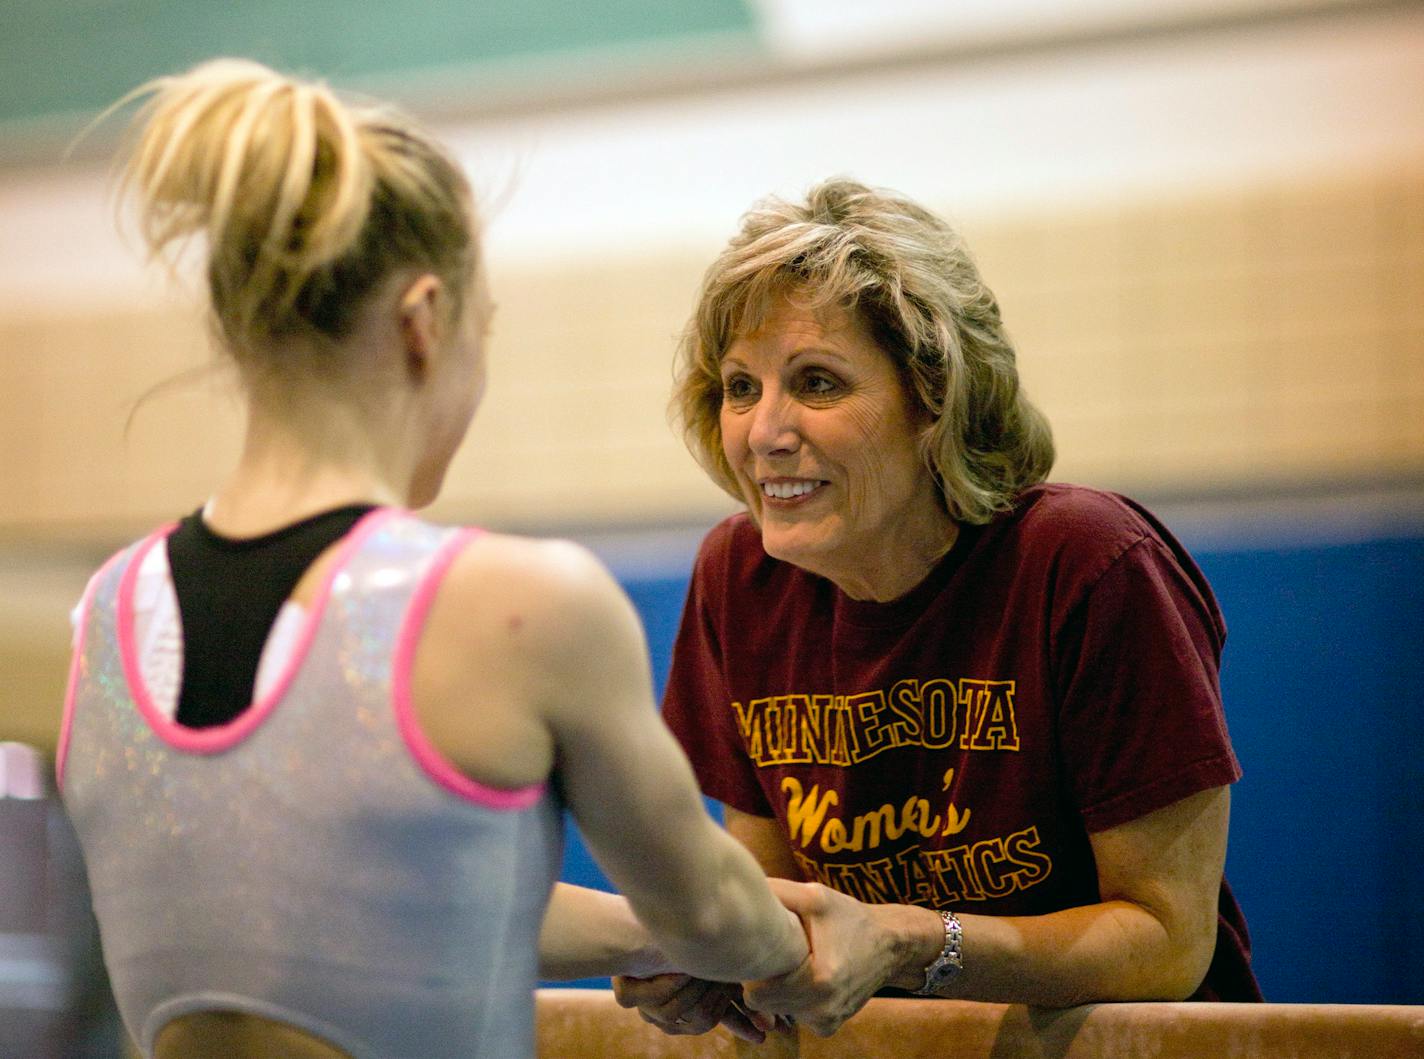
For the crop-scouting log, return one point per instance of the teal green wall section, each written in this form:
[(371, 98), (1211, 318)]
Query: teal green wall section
[(62, 57)]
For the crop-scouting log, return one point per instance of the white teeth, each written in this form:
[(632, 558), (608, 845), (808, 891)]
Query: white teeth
[(786, 490)]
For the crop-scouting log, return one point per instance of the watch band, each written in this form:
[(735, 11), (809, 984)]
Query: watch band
[(950, 961)]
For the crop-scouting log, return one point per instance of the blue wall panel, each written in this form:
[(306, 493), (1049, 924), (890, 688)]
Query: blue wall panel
[(1324, 687)]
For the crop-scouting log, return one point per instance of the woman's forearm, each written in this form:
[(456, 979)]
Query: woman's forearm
[(1150, 938), (593, 934), (1113, 951)]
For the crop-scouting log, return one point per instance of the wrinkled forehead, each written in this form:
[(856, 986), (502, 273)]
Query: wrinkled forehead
[(752, 305)]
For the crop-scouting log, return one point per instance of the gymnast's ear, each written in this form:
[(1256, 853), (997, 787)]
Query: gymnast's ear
[(421, 321)]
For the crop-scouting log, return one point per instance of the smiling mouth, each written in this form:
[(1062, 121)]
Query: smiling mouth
[(790, 489)]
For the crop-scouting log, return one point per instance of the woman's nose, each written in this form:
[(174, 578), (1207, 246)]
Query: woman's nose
[(775, 425)]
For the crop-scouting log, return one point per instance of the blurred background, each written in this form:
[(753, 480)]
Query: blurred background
[(1204, 220)]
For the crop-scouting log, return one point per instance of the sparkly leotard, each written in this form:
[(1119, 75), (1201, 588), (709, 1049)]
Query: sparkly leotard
[(314, 861)]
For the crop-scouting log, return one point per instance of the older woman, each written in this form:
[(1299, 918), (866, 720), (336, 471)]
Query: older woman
[(977, 712)]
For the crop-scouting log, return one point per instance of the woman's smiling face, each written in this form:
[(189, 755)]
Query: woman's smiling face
[(822, 436)]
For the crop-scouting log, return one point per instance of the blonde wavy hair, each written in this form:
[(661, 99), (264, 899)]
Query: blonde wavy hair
[(911, 280), (306, 202)]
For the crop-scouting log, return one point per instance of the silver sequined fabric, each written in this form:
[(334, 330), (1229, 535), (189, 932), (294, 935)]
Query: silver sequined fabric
[(312, 872)]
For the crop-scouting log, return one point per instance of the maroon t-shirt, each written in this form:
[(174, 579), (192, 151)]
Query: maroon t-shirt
[(1054, 675)]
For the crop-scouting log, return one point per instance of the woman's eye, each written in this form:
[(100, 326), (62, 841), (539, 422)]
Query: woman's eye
[(818, 384), (737, 388)]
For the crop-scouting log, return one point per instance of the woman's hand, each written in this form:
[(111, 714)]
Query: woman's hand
[(681, 1005), (856, 949)]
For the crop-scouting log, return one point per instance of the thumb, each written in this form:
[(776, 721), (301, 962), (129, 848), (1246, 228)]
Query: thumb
[(801, 898)]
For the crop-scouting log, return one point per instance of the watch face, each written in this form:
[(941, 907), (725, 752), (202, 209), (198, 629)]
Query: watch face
[(941, 974), (938, 973)]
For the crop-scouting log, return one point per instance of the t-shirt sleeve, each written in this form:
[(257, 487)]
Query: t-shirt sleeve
[(698, 708), (1140, 715)]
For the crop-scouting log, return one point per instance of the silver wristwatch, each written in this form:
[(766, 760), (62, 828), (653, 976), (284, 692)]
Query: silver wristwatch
[(950, 961)]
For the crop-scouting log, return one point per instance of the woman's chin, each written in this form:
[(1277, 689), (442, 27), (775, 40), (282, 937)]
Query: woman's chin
[(790, 544)]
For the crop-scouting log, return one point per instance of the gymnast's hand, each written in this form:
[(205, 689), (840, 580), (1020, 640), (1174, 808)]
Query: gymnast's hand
[(679, 1005)]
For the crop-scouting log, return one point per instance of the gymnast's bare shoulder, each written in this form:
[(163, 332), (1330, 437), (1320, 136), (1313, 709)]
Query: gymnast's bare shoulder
[(522, 631)]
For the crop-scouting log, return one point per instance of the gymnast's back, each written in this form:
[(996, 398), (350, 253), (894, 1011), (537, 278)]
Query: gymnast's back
[(312, 863), (281, 859)]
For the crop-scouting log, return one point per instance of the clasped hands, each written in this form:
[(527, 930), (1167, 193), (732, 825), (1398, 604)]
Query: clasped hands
[(852, 955)]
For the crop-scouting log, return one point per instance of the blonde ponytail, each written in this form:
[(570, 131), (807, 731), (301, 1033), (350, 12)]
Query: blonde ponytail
[(305, 202)]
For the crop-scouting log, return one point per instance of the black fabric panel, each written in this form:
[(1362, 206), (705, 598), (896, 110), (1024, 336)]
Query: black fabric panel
[(229, 592)]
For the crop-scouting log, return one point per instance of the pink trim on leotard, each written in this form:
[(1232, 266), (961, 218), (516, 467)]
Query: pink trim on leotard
[(223, 737), (426, 754), (66, 722)]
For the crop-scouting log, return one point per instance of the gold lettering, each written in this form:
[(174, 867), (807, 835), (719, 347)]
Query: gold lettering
[(847, 879), (939, 702), (844, 750), (989, 869), (872, 822), (774, 729), (804, 814), (905, 705), (817, 728), (791, 713), (807, 816), (749, 725), (846, 729), (849, 732), (954, 820), (814, 870), (1022, 847), (874, 732), (877, 879), (918, 888), (916, 817), (992, 716), (955, 874), (990, 859)]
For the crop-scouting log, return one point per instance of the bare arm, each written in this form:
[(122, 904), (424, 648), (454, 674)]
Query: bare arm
[(629, 785), (680, 1005), (590, 934), (1150, 938)]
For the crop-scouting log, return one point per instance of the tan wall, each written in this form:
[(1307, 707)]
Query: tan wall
[(1272, 333), (1265, 334), (1268, 334)]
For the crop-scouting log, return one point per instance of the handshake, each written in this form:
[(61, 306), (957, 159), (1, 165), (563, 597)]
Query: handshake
[(855, 950)]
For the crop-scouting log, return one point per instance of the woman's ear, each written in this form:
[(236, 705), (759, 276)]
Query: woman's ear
[(420, 321)]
